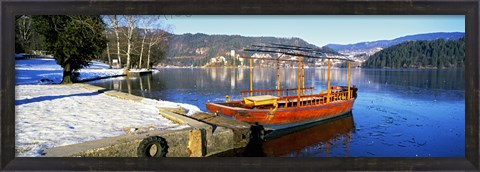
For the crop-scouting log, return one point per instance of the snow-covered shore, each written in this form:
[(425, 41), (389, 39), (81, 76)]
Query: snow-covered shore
[(55, 115), (46, 71)]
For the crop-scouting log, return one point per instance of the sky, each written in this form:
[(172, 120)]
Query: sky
[(318, 29)]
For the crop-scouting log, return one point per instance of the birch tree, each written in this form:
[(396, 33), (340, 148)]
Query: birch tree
[(131, 22), (156, 37), (24, 31), (116, 30), (145, 27), (146, 24), (108, 50)]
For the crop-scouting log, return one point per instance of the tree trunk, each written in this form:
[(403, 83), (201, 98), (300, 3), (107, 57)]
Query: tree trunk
[(108, 55), (118, 50), (114, 21), (130, 29), (67, 74), (148, 58), (141, 51), (25, 33), (108, 51), (127, 67)]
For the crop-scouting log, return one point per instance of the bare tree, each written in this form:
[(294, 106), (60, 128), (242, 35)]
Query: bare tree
[(24, 26), (108, 50), (134, 29), (156, 37), (145, 23), (114, 20), (131, 24), (148, 22), (145, 27)]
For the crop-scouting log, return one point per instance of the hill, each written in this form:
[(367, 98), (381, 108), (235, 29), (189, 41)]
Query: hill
[(363, 47), (198, 48), (420, 54)]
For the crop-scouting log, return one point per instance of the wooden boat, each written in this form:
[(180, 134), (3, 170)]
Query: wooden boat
[(283, 108)]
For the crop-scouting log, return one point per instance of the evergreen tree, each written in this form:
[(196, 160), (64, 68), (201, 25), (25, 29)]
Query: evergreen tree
[(73, 40), (438, 53)]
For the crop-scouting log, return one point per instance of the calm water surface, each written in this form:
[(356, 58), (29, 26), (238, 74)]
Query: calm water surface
[(398, 113)]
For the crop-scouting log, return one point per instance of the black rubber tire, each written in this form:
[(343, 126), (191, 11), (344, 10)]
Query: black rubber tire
[(143, 149)]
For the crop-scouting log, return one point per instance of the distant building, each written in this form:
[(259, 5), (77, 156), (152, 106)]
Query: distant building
[(213, 60), (201, 50), (240, 59), (218, 60)]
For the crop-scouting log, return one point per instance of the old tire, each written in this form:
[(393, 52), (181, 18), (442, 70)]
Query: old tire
[(154, 146)]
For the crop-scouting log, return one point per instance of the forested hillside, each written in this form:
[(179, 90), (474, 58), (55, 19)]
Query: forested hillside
[(198, 48), (200, 45), (420, 54), (365, 46)]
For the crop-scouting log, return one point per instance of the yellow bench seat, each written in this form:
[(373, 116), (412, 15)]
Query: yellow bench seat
[(260, 100)]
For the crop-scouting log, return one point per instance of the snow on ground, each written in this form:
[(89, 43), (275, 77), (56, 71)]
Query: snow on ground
[(49, 116), (55, 115), (190, 109), (47, 71)]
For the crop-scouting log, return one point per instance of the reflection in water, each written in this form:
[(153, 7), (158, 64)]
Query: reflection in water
[(149, 79), (143, 86), (233, 80), (312, 141), (254, 147), (226, 81), (129, 85), (406, 113)]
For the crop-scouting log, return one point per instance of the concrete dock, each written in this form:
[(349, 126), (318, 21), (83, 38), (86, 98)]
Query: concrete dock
[(206, 135)]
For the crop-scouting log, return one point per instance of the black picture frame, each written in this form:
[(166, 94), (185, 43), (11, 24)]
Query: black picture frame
[(468, 8)]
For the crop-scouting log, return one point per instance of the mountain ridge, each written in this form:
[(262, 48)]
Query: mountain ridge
[(200, 48), (365, 46), (202, 45)]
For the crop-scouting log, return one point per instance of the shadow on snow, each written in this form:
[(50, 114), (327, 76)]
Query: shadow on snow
[(44, 98)]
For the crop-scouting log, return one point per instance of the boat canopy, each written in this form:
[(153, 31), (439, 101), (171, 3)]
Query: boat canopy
[(300, 52)]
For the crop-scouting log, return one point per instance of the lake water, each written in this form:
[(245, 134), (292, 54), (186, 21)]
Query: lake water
[(398, 113)]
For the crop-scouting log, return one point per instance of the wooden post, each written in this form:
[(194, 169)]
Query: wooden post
[(251, 80), (298, 82), (303, 78), (349, 81), (328, 81), (278, 76)]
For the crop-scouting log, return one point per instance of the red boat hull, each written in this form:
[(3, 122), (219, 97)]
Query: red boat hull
[(282, 117)]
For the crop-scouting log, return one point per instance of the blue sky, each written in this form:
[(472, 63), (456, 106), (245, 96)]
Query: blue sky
[(318, 29)]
